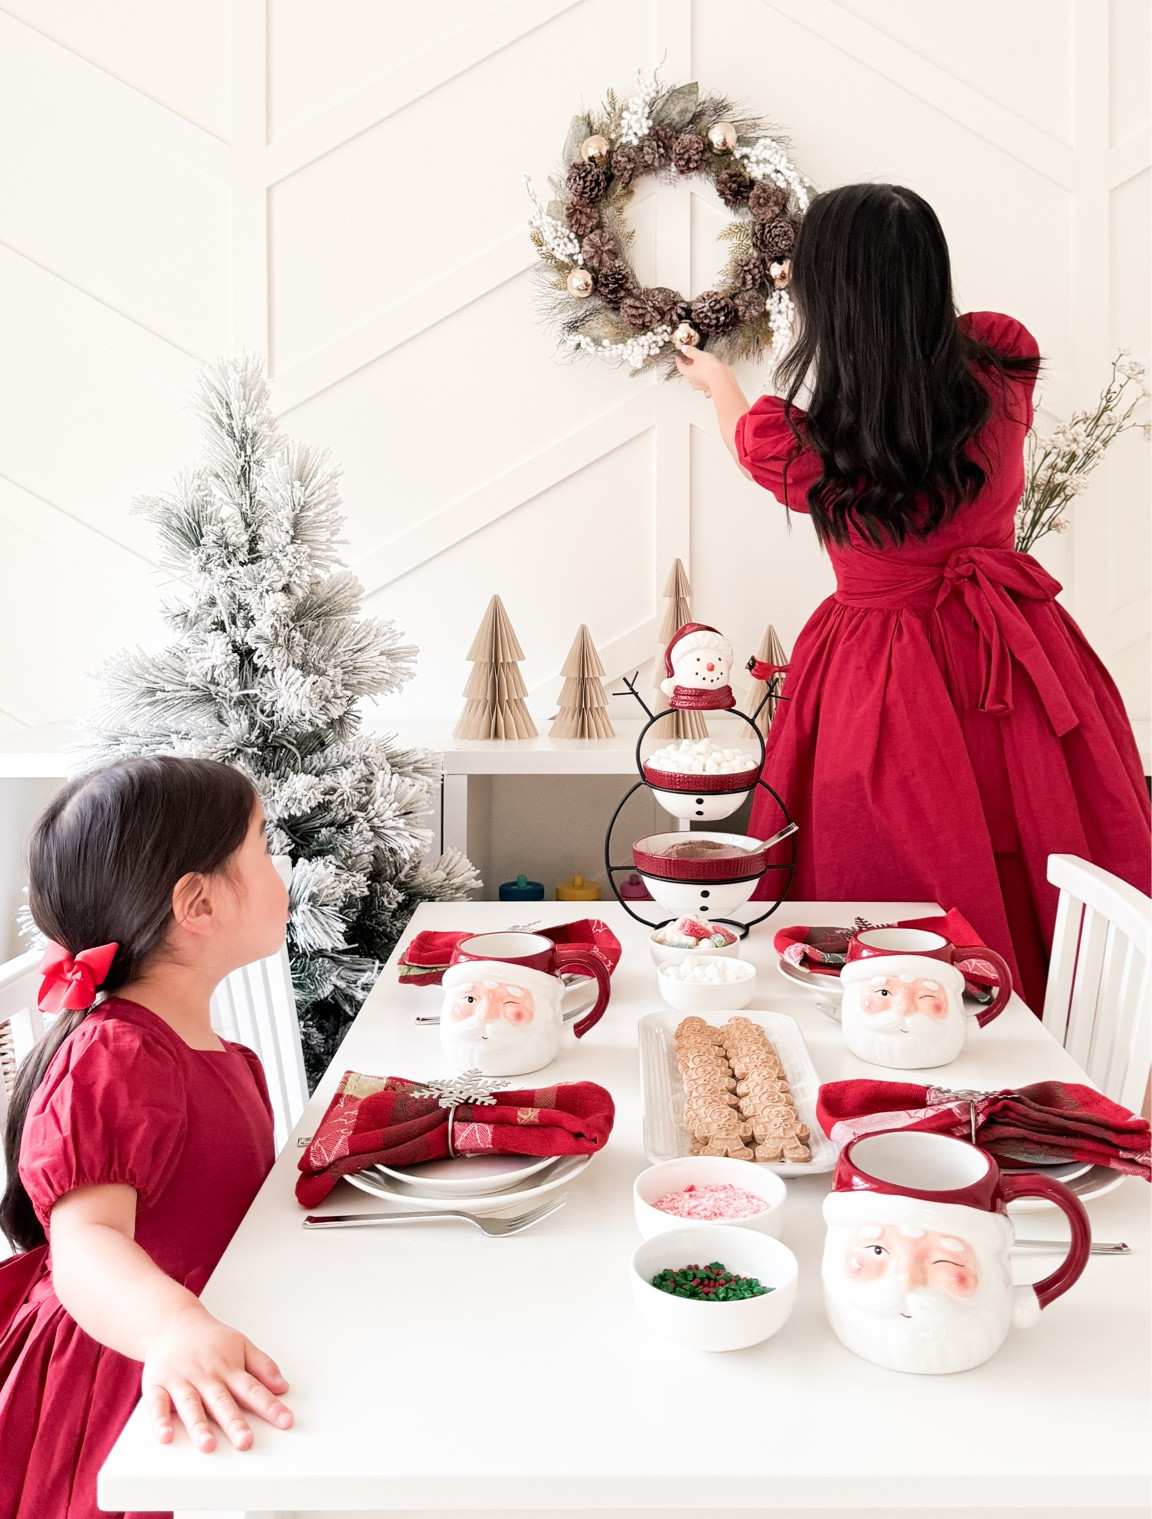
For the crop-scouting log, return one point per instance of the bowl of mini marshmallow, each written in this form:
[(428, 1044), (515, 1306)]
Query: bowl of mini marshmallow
[(707, 983), (700, 779)]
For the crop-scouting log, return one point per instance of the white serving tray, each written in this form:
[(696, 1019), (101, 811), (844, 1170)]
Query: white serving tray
[(666, 1138)]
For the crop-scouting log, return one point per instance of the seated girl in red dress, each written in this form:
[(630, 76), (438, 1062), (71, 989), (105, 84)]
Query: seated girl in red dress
[(948, 727), (136, 1138)]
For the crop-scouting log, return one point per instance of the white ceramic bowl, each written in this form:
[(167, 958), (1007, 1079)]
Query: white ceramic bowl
[(702, 1171), (672, 954), (708, 996), (708, 807), (703, 899), (715, 1326)]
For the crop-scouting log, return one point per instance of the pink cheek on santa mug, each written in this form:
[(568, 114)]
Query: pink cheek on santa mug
[(930, 1004), (953, 1277), (518, 1012)]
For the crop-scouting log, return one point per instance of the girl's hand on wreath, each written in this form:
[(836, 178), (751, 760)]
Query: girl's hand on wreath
[(701, 369)]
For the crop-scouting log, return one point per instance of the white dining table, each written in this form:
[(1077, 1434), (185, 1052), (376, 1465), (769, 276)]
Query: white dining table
[(434, 1370)]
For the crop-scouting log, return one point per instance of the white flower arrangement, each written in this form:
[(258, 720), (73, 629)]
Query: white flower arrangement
[(1057, 466)]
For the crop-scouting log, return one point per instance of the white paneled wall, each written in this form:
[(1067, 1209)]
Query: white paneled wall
[(337, 186)]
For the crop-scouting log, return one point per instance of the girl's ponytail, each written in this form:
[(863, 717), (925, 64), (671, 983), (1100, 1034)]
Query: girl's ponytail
[(104, 859)]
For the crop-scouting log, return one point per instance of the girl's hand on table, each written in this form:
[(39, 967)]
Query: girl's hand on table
[(701, 369), (205, 1371)]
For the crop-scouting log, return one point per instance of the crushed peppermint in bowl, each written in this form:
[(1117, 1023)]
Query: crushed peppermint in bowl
[(697, 1190), (713, 1286), (717, 1202)]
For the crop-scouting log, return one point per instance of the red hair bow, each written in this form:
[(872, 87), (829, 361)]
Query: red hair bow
[(69, 983)]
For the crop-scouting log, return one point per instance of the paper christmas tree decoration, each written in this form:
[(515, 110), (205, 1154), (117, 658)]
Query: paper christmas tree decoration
[(770, 652), (678, 611), (495, 692), (583, 701)]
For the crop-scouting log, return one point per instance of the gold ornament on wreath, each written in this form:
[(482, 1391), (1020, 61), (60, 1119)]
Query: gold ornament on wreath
[(590, 293)]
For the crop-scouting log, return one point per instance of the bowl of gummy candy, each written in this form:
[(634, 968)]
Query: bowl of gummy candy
[(714, 1287), (707, 983), (694, 1190), (699, 779), (687, 935)]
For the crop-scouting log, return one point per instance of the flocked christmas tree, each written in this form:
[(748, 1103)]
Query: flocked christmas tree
[(682, 723), (495, 705), (269, 661), (583, 701)]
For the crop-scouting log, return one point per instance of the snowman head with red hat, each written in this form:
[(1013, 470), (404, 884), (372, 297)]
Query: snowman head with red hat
[(698, 669)]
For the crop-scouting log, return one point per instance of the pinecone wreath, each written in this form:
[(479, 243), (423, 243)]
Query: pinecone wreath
[(590, 290)]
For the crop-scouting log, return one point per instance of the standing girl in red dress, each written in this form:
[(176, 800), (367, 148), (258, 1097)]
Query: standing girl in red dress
[(948, 727), (136, 1139)]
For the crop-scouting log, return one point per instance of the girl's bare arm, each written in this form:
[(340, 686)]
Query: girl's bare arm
[(192, 1362)]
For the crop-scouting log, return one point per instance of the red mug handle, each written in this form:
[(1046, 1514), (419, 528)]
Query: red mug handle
[(1028, 1184), (576, 957), (1003, 977)]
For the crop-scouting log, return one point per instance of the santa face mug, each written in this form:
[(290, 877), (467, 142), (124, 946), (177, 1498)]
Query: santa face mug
[(504, 1017), (903, 1011), (906, 1010), (916, 1271)]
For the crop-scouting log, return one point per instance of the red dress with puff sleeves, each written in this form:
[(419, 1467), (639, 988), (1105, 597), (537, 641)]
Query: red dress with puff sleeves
[(126, 1101), (948, 726)]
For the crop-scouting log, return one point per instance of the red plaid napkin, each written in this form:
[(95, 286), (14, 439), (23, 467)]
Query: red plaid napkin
[(823, 950), (375, 1119), (428, 955), (1040, 1124)]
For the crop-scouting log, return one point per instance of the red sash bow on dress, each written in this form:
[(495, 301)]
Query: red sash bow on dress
[(973, 586), (980, 580)]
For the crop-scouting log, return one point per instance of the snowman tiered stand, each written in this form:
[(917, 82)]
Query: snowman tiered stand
[(710, 875)]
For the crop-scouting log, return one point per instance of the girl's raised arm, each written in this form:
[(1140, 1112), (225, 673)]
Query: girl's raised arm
[(705, 372)]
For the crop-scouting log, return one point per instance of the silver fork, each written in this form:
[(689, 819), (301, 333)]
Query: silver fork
[(493, 1226)]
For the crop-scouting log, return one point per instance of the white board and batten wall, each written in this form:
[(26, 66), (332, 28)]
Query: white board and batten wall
[(338, 188)]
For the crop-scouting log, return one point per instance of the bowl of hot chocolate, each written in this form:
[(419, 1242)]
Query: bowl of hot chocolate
[(705, 873)]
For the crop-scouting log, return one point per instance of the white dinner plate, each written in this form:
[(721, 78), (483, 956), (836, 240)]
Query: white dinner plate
[(467, 1175), (1093, 1182), (828, 990), (666, 1138), (564, 1169), (815, 981)]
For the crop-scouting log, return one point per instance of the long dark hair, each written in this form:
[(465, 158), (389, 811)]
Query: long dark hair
[(103, 860), (895, 399)]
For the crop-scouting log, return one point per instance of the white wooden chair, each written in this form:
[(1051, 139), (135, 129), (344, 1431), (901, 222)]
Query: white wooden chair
[(1098, 1001)]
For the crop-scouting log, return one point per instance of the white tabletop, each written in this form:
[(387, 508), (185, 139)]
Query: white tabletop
[(433, 1368)]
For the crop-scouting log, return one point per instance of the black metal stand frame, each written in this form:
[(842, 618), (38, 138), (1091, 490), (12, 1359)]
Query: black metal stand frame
[(644, 784)]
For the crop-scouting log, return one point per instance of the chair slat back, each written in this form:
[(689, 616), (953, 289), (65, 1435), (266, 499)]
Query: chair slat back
[(1098, 1001), (256, 1006), (21, 1022)]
